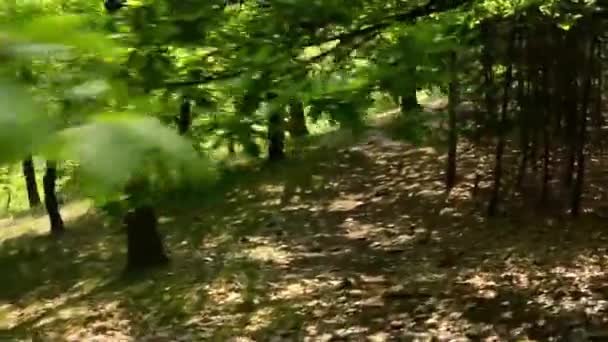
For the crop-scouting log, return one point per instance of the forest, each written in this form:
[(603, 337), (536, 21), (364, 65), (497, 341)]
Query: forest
[(303, 170)]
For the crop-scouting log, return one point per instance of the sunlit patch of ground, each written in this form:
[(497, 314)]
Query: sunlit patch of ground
[(37, 223), (361, 244)]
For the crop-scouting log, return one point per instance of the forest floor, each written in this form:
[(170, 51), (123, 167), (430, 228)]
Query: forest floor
[(360, 243)]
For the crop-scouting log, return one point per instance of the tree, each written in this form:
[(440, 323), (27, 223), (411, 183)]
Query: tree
[(297, 120), (50, 198), (29, 174), (453, 134), (114, 150)]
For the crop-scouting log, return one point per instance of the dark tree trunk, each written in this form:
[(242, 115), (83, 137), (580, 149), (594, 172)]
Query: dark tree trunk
[(144, 244), (546, 163), (276, 137), (524, 122), (546, 124), (534, 146), (50, 198), (231, 149), (577, 191), (450, 180), (184, 120), (482, 119), (500, 146), (409, 100), (523, 163), (478, 154), (297, 120), (29, 174), (571, 96), (568, 175)]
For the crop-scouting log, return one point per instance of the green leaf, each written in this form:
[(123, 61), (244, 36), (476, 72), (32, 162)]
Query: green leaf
[(50, 33), (25, 126), (114, 148)]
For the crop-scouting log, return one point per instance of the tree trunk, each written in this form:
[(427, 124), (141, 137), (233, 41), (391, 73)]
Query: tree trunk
[(231, 148), (276, 137), (482, 118), (29, 174), (546, 161), (184, 120), (546, 131), (568, 175), (500, 146), (144, 244), (453, 134), (409, 100), (297, 120), (577, 191), (524, 123), (50, 198)]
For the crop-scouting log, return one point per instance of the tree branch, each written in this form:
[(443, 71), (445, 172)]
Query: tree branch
[(364, 32), (204, 80), (434, 6)]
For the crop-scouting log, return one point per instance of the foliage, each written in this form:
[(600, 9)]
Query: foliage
[(152, 92)]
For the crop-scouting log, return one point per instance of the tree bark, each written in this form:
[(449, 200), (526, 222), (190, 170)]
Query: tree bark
[(184, 120), (545, 100), (276, 137), (297, 120), (50, 198), (453, 133), (500, 146), (577, 191), (409, 101), (144, 244), (524, 146), (482, 119), (571, 97), (523, 95), (29, 174)]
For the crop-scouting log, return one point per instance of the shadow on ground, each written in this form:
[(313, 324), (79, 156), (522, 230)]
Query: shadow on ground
[(357, 244)]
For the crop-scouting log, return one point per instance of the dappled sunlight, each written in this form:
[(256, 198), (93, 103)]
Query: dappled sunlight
[(366, 244), (38, 224), (273, 254), (345, 203)]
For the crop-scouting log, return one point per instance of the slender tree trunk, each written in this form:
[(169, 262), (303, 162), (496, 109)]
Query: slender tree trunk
[(500, 146), (276, 137), (184, 120), (144, 244), (297, 120), (9, 197), (546, 162), (577, 191), (50, 198), (568, 175), (546, 131), (29, 174), (571, 100), (524, 123), (534, 146), (453, 133), (409, 100), (487, 61), (231, 149)]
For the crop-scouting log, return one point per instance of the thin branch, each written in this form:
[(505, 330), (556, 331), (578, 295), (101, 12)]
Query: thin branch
[(434, 6), (204, 80), (364, 32)]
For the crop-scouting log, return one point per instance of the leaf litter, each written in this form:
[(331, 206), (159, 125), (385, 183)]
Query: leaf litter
[(380, 252)]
